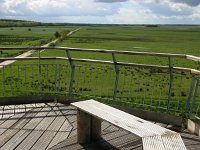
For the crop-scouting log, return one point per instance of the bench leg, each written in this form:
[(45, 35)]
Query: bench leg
[(88, 128), (96, 129), (83, 127)]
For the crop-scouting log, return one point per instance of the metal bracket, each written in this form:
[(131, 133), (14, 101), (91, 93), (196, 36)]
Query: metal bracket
[(117, 77), (72, 65)]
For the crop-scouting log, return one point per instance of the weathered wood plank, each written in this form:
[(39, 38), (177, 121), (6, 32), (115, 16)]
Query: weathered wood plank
[(30, 140), (38, 118), (120, 141), (112, 135), (7, 112), (56, 124), (23, 121), (153, 143), (33, 123), (15, 140), (111, 128), (43, 142), (2, 120), (173, 142), (69, 144), (60, 136), (104, 125), (121, 119), (58, 121), (84, 127), (7, 135), (2, 131), (10, 122), (1, 112), (73, 133), (45, 123), (20, 108), (66, 126)]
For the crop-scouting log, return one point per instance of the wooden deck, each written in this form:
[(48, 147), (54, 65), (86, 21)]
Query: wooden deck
[(53, 126)]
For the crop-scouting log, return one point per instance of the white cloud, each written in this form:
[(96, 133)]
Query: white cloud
[(56, 7), (131, 16), (103, 11), (146, 16)]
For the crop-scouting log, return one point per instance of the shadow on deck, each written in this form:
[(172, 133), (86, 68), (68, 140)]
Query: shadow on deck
[(53, 126)]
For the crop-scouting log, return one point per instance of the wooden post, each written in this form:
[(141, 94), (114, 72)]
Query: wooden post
[(96, 129), (88, 128), (83, 127)]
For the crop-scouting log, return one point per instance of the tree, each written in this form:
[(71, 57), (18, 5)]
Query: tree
[(57, 34), (64, 33)]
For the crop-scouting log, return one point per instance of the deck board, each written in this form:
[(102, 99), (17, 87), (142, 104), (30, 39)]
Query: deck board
[(2, 131), (7, 135), (53, 126), (30, 140), (38, 118), (43, 142), (10, 122), (45, 123), (56, 124), (59, 137), (15, 140), (66, 127), (25, 120)]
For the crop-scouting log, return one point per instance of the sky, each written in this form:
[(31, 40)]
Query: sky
[(103, 11)]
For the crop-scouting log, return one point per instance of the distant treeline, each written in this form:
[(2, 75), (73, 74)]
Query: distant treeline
[(18, 23), (24, 23)]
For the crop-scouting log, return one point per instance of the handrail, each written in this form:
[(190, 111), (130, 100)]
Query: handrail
[(194, 58), (192, 71), (189, 57)]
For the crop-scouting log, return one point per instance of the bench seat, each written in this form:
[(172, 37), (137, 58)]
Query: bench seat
[(154, 137)]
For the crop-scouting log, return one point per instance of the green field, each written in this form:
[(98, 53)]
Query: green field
[(164, 39), (136, 86), (27, 36)]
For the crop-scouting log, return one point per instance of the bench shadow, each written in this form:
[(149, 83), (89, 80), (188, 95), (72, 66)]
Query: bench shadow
[(101, 144)]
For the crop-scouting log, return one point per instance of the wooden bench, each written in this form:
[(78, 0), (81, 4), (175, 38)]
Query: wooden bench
[(90, 113)]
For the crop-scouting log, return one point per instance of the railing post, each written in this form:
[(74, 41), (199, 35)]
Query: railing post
[(194, 96), (117, 77), (72, 65), (170, 84), (190, 94), (3, 77), (40, 77)]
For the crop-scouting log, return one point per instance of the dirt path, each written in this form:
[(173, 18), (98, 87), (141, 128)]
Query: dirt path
[(28, 53)]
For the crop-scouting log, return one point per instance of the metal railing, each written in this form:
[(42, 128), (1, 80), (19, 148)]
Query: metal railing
[(153, 87)]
